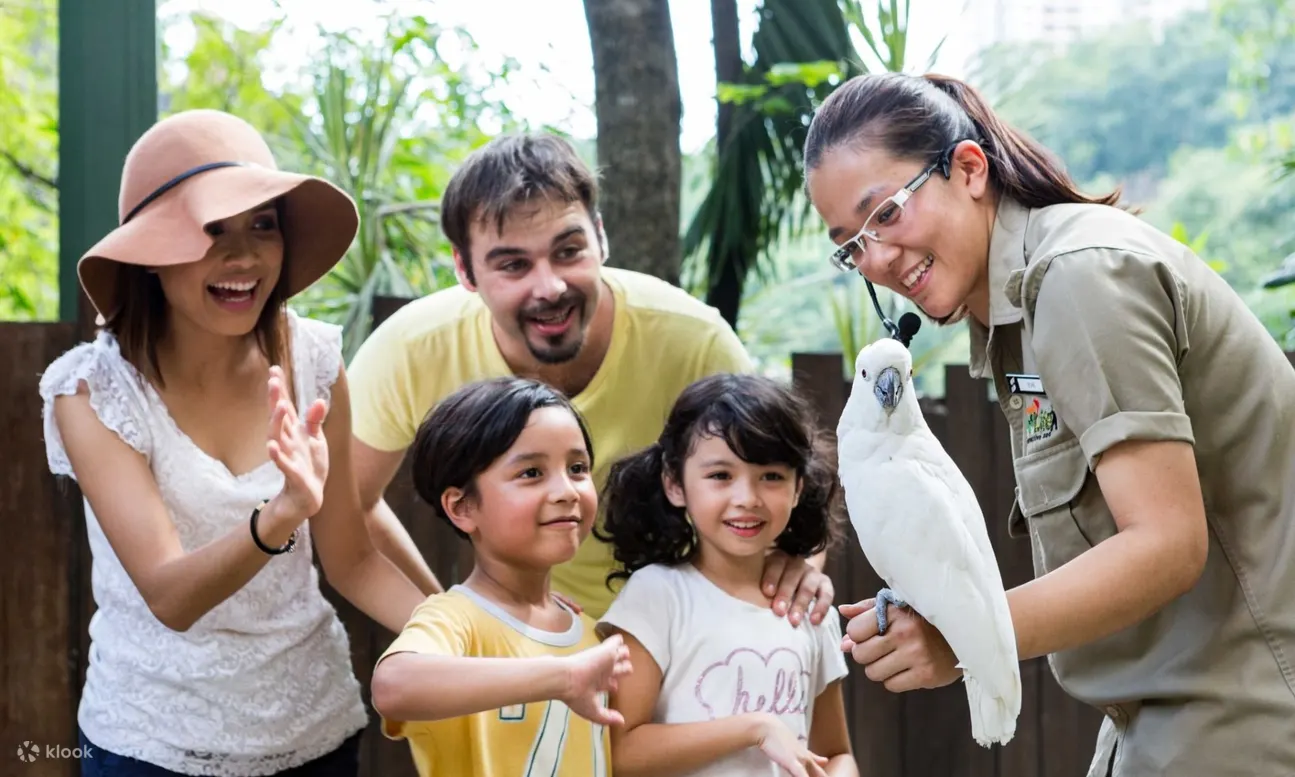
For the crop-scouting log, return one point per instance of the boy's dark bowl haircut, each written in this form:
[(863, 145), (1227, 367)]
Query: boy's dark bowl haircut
[(471, 428)]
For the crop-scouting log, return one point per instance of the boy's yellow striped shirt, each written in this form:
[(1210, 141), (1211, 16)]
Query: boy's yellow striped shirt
[(524, 740)]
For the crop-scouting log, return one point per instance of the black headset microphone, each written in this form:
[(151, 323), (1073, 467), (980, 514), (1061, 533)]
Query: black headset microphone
[(908, 324)]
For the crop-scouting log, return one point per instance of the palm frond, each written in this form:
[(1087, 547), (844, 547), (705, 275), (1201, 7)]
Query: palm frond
[(752, 202)]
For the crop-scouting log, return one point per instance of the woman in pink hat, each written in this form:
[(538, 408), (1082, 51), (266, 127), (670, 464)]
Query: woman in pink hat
[(213, 650)]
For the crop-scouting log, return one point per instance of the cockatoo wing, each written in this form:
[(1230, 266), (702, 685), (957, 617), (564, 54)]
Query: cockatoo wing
[(947, 471)]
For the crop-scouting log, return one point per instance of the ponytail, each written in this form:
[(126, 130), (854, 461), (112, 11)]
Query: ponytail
[(922, 117), (1020, 166), (639, 522)]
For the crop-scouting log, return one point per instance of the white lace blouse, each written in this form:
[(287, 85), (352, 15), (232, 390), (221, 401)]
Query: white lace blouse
[(263, 681)]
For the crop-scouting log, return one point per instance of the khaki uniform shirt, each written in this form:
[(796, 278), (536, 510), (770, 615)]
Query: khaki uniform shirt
[(1131, 336)]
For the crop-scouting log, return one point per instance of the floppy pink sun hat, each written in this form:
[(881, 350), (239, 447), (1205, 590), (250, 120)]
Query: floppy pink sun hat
[(198, 167)]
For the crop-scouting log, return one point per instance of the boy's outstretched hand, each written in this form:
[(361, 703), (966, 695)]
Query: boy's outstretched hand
[(591, 674)]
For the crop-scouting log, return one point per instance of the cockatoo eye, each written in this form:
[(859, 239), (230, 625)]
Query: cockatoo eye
[(863, 374)]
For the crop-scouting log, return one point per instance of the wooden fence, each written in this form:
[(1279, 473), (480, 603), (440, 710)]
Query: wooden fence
[(45, 600)]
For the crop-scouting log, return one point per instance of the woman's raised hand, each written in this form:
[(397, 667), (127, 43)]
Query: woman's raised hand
[(299, 449)]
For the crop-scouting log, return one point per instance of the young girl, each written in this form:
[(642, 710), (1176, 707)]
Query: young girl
[(722, 686), (214, 652)]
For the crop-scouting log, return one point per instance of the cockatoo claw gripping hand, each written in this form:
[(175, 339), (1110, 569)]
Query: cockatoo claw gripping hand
[(886, 596)]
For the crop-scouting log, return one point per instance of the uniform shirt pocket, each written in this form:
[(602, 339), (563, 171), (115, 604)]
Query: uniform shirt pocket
[(1061, 508)]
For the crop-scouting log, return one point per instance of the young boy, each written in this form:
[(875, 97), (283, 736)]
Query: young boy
[(495, 677)]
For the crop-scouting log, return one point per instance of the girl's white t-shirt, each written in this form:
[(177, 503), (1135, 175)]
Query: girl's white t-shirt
[(263, 681), (721, 656)]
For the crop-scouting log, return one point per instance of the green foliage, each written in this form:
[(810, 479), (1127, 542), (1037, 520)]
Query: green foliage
[(223, 71), (855, 319), (806, 74), (1263, 37), (1121, 103), (801, 51), (386, 120), (1239, 206), (28, 161), (887, 40)]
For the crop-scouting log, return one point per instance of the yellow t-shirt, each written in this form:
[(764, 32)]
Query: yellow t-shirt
[(663, 339), (540, 738)]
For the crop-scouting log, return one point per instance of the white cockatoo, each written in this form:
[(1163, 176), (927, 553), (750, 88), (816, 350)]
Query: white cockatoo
[(922, 530)]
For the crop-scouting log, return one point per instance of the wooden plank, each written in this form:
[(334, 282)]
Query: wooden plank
[(384, 307), (819, 378), (39, 685), (1023, 756)]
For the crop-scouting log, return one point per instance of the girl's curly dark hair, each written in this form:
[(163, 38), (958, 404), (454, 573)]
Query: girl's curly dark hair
[(764, 423)]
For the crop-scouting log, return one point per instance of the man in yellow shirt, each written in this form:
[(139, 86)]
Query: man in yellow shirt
[(536, 300)]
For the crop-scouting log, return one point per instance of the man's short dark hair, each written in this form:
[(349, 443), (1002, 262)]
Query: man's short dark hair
[(508, 171)]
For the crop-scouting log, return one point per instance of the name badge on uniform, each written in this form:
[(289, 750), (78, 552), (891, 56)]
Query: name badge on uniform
[(1024, 384)]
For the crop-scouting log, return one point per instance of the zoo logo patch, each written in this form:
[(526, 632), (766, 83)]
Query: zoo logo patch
[(1040, 420)]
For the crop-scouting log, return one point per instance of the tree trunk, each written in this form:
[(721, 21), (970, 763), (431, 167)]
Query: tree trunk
[(636, 94), (726, 293), (727, 42)]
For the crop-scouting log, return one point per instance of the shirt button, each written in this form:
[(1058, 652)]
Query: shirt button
[(1015, 402)]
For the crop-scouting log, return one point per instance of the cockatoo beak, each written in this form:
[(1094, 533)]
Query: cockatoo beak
[(889, 389)]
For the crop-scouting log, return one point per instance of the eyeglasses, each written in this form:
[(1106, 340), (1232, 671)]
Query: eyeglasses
[(851, 252)]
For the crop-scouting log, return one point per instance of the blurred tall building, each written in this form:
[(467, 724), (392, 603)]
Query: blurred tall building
[(1062, 21)]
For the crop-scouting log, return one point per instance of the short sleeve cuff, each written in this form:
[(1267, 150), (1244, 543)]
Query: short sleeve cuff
[(417, 644), (833, 666), (379, 437), (1134, 425), (393, 729), (405, 642), (649, 635)]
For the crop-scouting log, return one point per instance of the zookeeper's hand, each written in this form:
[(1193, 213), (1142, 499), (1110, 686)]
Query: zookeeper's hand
[(911, 655), (794, 582)]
